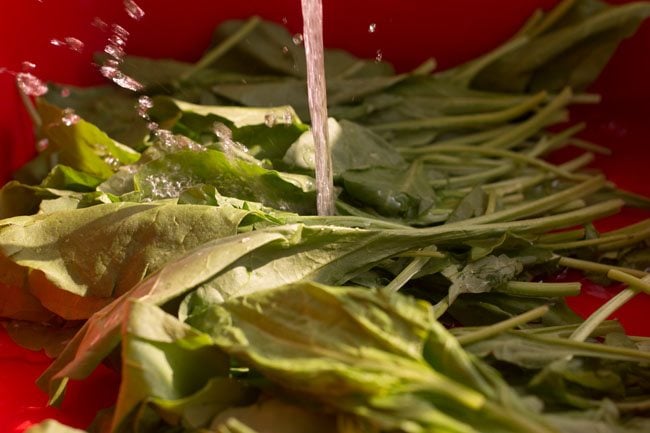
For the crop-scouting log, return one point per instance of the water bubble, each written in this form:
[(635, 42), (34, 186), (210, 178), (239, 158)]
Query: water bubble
[(65, 92), (379, 56), (70, 117), (133, 10), (297, 39), (145, 103), (372, 27), (42, 144), (269, 120), (285, 50), (30, 85), (100, 24), (28, 66)]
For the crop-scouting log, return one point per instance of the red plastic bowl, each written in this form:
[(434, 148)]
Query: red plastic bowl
[(406, 32)]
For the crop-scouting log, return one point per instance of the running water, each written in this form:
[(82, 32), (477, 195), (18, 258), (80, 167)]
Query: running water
[(312, 13)]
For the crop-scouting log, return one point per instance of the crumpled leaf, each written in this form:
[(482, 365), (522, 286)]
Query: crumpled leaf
[(482, 275)]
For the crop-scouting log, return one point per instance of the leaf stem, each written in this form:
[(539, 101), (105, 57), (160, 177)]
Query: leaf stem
[(503, 326), (225, 46)]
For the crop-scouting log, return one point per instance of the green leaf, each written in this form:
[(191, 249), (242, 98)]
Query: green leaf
[(397, 192), (173, 367), (110, 108), (82, 145), (572, 53), (352, 147), (169, 175), (62, 177), (368, 364), (79, 260)]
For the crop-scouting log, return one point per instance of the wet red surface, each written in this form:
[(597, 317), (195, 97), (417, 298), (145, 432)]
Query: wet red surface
[(406, 33)]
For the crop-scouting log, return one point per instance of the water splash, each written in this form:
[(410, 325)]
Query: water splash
[(69, 42), (133, 10), (372, 28), (69, 117), (30, 85)]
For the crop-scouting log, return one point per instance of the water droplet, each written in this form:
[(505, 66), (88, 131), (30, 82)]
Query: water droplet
[(372, 27), (112, 162), (74, 44), (287, 117), (120, 31), (42, 144), (285, 50), (117, 40), (70, 117), (114, 51), (100, 24), (297, 39), (28, 66), (133, 10), (145, 103), (221, 131), (65, 92), (379, 56), (153, 126), (284, 20), (269, 120), (30, 85), (69, 42), (122, 80)]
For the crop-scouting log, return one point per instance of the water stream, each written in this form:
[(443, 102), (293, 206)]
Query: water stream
[(312, 12)]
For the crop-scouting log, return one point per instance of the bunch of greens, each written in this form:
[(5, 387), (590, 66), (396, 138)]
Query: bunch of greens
[(173, 232)]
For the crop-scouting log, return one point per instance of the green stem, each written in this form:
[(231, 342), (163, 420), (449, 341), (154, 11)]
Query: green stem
[(607, 309), (538, 289), (501, 327), (408, 272), (587, 266), (540, 205), (464, 121), (221, 49), (530, 126)]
